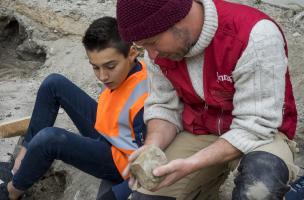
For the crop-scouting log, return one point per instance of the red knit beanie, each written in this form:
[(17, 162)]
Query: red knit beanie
[(141, 19)]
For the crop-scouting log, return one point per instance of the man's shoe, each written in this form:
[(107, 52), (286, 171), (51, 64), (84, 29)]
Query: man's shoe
[(296, 190)]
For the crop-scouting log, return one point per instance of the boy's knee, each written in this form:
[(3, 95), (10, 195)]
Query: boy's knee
[(47, 138), (52, 80), (262, 175)]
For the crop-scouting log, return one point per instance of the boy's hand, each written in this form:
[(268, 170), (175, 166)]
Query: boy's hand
[(133, 157)]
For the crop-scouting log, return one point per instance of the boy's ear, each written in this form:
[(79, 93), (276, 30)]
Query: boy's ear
[(133, 53)]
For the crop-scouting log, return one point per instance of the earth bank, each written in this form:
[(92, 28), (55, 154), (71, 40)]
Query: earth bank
[(42, 37)]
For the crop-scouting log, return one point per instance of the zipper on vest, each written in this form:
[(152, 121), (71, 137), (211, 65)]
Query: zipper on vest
[(206, 106), (219, 123), (142, 139)]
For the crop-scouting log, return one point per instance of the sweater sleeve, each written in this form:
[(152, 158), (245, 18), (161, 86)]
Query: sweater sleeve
[(260, 89), (162, 101)]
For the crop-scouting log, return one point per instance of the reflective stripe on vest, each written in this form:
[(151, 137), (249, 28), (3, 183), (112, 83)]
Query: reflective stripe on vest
[(116, 112)]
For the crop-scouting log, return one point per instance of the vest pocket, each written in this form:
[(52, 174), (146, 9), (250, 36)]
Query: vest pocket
[(222, 95)]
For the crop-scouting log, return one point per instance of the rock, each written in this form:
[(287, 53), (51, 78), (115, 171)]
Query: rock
[(60, 111), (80, 3), (51, 52), (30, 50), (144, 165), (299, 17), (289, 13), (296, 34)]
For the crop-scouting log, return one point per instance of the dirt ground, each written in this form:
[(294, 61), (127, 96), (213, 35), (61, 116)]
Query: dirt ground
[(42, 37)]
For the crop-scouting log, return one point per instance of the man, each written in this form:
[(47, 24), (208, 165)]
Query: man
[(220, 97)]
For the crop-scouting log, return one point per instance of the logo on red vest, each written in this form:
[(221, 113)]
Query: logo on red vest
[(223, 77)]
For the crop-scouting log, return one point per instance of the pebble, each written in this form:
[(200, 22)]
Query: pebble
[(80, 3), (296, 34), (60, 111), (51, 51)]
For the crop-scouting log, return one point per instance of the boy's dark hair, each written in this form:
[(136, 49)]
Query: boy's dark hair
[(103, 33)]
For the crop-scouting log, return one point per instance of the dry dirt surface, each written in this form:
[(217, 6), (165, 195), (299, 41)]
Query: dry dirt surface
[(39, 37)]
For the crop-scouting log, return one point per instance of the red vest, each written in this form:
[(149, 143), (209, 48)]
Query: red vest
[(214, 114)]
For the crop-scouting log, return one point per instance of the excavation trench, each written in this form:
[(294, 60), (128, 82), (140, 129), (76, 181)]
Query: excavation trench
[(20, 56)]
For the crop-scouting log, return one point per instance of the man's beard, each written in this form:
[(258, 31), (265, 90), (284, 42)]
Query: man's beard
[(178, 56)]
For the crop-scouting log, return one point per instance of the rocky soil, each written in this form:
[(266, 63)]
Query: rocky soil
[(39, 37)]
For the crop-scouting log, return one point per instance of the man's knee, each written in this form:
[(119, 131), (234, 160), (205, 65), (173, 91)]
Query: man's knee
[(141, 196), (262, 175)]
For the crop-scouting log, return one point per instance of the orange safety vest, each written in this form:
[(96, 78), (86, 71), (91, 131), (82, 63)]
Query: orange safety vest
[(116, 112)]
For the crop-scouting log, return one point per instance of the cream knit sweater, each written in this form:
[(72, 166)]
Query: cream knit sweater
[(259, 79)]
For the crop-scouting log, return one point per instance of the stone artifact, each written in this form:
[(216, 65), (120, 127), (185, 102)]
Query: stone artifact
[(146, 162)]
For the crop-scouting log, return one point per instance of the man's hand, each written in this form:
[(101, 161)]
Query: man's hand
[(174, 171)]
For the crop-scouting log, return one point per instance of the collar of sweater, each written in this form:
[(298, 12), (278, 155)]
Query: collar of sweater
[(209, 28)]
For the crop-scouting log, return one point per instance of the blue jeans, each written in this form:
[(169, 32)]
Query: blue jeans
[(89, 152), (297, 190)]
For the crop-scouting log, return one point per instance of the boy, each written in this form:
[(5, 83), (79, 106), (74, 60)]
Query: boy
[(110, 130)]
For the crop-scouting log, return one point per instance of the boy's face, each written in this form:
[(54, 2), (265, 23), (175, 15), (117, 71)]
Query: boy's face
[(110, 66)]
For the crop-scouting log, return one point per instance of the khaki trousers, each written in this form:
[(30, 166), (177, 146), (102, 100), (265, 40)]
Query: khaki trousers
[(205, 183)]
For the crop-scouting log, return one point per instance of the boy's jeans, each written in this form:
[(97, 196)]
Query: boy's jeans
[(89, 152)]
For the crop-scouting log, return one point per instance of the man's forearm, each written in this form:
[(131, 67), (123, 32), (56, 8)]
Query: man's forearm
[(160, 133), (218, 152)]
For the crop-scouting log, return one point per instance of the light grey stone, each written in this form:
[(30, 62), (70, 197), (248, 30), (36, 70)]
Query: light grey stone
[(144, 165)]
